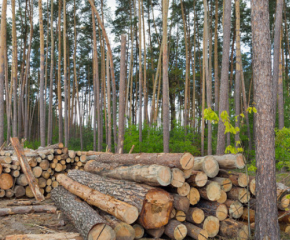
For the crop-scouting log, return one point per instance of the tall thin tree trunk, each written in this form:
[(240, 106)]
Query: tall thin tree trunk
[(193, 67), (266, 222), (46, 64), (14, 71), (216, 67), (41, 88), (65, 77), (280, 89), (109, 105), (140, 75), (145, 74), (224, 76), (203, 94)]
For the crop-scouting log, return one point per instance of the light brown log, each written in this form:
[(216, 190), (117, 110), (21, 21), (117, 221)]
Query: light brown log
[(39, 159), (193, 196), (147, 199), (48, 182), (26, 169), (246, 215), (175, 230), (241, 194), (29, 193), (19, 191), (48, 189), (71, 153), (54, 146), (57, 151), (187, 173), (37, 171), (173, 213), (284, 228), (238, 179), (223, 197), (63, 162), (6, 165), (211, 225), (45, 174), (207, 164), (87, 221), (123, 230), (22, 180), (119, 209), (2, 193), (283, 196), (79, 153), (156, 233), (7, 170), (6, 181), (284, 217), (215, 209), (180, 216), (236, 209), (211, 191), (23, 203), (33, 162), (252, 186), (54, 184), (230, 161), (27, 209), (233, 229), (184, 189), (196, 232), (1, 168), (15, 173), (154, 175), (181, 203), (68, 160), (9, 193), (178, 178), (226, 183), (177, 160), (50, 157), (83, 158), (197, 179), (195, 215), (55, 236), (65, 150), (139, 231), (44, 164), (58, 167)]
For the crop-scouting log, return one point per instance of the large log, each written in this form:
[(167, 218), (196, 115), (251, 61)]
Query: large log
[(207, 164), (6, 181), (197, 179), (154, 205), (27, 209), (211, 191), (195, 215), (232, 229), (107, 203), (175, 230), (123, 230), (178, 160), (241, 194), (87, 221), (55, 236), (238, 179), (230, 161), (216, 209), (153, 175), (196, 232), (236, 209), (26, 169), (211, 224)]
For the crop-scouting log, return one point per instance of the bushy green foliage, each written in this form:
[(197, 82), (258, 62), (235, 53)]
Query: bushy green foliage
[(282, 148)]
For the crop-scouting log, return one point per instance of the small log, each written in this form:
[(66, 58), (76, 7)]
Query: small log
[(193, 196), (2, 193), (123, 230), (180, 216), (153, 175), (181, 203), (187, 173), (6, 181), (156, 233), (211, 224), (50, 157), (27, 209), (216, 209), (19, 191), (241, 194), (195, 215), (1, 168), (284, 228), (178, 178), (48, 182), (7, 170), (83, 158), (197, 179), (71, 153), (29, 193), (253, 185), (238, 179), (177, 160), (55, 236), (172, 214), (196, 232), (23, 203), (48, 189), (230, 161), (175, 230), (184, 189), (223, 197), (54, 184), (9, 193), (207, 164), (58, 167), (246, 215), (139, 231), (120, 210), (146, 198), (26, 169), (54, 146), (22, 180), (44, 164), (226, 183), (37, 171), (65, 150), (233, 229), (15, 173), (33, 162), (211, 191), (45, 174), (236, 209)]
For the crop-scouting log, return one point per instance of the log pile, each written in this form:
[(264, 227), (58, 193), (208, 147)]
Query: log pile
[(142, 196)]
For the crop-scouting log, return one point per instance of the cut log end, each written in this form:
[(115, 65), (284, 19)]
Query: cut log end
[(213, 190), (210, 167), (195, 215), (222, 212), (6, 181), (240, 163), (193, 196), (176, 230), (253, 186), (124, 231), (223, 197), (211, 225), (184, 189), (187, 161), (178, 178), (164, 176), (139, 231), (236, 209)]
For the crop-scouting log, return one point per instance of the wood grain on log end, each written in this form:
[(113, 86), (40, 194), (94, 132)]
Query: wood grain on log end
[(198, 179), (124, 231), (236, 209), (187, 161), (177, 177), (253, 186), (175, 230), (211, 225), (139, 231), (102, 231), (223, 197), (195, 232), (233, 229), (6, 181), (184, 189), (226, 183), (195, 215), (193, 196), (210, 166)]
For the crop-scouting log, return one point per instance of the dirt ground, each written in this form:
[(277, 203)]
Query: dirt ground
[(33, 223)]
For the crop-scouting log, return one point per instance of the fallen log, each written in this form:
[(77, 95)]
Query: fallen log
[(207, 164), (196, 232), (215, 209), (178, 160), (23, 203), (197, 179), (55, 236), (230, 161), (232, 229), (236, 209), (211, 224), (54, 146), (175, 230), (27, 209), (195, 215), (117, 208), (154, 205), (26, 169), (153, 175), (88, 223), (238, 179), (211, 191)]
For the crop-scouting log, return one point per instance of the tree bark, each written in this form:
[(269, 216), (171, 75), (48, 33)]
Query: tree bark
[(213, 208), (66, 109), (27, 209), (109, 131), (140, 75), (233, 229), (280, 88), (196, 232), (216, 67), (56, 236), (176, 230), (14, 70)]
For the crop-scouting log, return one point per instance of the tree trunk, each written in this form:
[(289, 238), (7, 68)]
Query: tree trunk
[(28, 209), (140, 75), (216, 67), (88, 223), (266, 224), (56, 236), (14, 70), (196, 232), (176, 230), (224, 75), (109, 132), (280, 88), (66, 109)]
